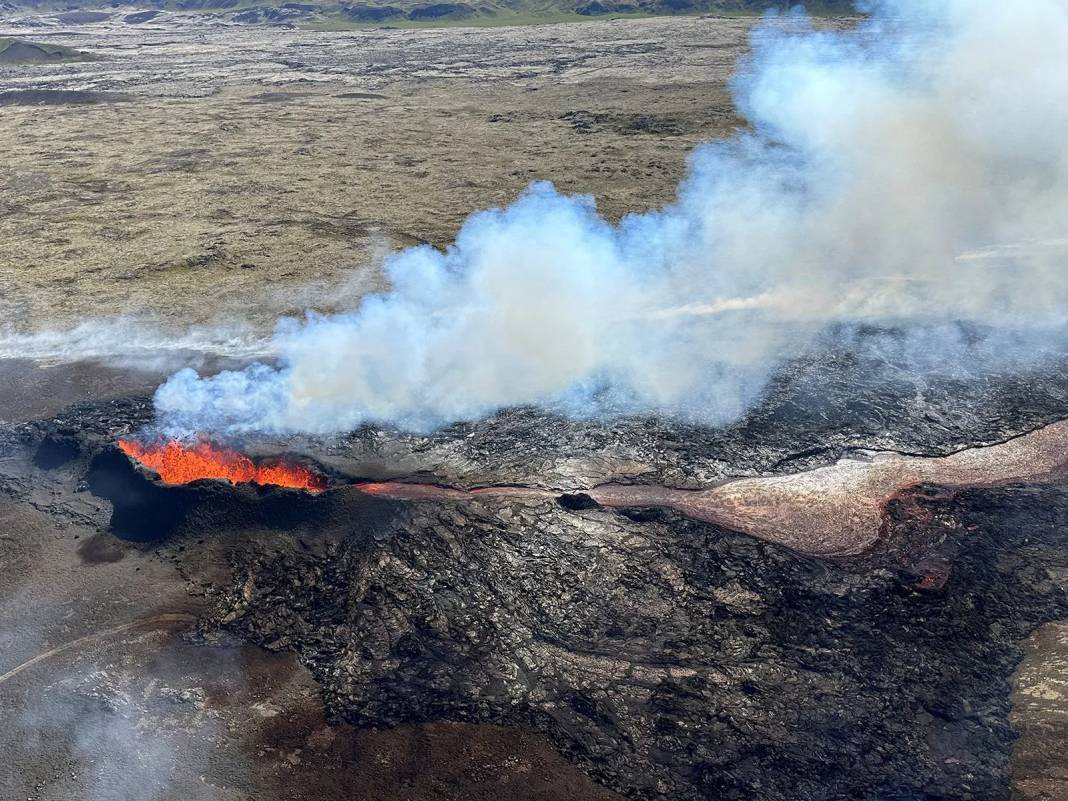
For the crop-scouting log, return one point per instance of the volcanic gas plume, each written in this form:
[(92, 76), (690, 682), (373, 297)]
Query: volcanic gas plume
[(912, 171), (178, 463)]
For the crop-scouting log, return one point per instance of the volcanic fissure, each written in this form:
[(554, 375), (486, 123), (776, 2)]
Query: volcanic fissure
[(832, 511)]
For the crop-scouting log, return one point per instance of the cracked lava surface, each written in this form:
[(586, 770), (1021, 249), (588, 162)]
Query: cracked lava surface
[(830, 511)]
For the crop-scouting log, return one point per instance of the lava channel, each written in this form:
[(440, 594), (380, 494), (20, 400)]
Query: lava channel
[(830, 511), (178, 463)]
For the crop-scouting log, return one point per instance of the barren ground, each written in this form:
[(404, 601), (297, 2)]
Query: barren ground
[(248, 171)]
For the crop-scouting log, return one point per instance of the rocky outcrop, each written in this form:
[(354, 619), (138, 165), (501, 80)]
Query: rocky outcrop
[(675, 660), (16, 51), (669, 658)]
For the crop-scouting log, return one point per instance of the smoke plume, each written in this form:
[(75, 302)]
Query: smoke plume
[(912, 171), (134, 343)]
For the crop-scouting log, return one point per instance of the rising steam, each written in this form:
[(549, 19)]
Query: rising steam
[(913, 170)]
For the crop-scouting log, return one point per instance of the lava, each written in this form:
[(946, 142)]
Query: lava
[(831, 511), (177, 463)]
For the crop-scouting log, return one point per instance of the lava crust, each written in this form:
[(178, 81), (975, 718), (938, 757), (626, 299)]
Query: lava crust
[(668, 656), (677, 660)]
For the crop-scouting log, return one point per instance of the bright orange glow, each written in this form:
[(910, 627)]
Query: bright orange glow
[(179, 464)]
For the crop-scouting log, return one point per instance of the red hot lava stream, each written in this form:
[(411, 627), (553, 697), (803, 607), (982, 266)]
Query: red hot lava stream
[(177, 463), (835, 510)]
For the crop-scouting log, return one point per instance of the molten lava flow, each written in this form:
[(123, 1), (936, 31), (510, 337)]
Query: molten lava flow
[(179, 464)]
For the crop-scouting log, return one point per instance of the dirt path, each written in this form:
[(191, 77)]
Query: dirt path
[(158, 620)]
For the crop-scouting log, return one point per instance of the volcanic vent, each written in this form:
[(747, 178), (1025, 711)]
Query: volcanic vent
[(156, 488), (177, 463)]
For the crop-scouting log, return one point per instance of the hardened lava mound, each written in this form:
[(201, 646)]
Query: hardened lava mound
[(491, 574)]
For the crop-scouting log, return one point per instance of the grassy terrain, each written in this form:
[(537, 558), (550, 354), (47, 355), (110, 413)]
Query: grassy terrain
[(337, 22), (421, 14), (150, 208), (18, 51), (335, 15)]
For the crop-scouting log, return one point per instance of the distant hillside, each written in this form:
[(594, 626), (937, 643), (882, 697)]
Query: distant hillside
[(350, 13), (414, 10), (17, 51)]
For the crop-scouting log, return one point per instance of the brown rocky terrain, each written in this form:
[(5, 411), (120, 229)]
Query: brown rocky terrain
[(270, 170)]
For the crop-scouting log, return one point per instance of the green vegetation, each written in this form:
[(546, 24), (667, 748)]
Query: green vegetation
[(17, 51), (408, 14), (505, 17), (339, 15)]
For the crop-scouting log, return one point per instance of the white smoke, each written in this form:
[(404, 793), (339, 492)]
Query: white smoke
[(133, 343), (913, 169)]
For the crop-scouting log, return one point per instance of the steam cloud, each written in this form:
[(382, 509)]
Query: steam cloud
[(132, 343), (913, 171)]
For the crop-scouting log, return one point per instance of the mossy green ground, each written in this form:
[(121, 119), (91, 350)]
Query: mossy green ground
[(19, 51)]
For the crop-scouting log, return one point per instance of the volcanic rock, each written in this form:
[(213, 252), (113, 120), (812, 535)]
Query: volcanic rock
[(667, 657)]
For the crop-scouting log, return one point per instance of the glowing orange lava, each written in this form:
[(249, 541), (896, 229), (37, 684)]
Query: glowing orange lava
[(179, 464)]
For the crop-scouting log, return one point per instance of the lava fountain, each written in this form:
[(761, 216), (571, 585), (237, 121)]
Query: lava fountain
[(178, 463)]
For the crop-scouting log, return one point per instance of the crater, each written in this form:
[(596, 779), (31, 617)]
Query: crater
[(146, 509)]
